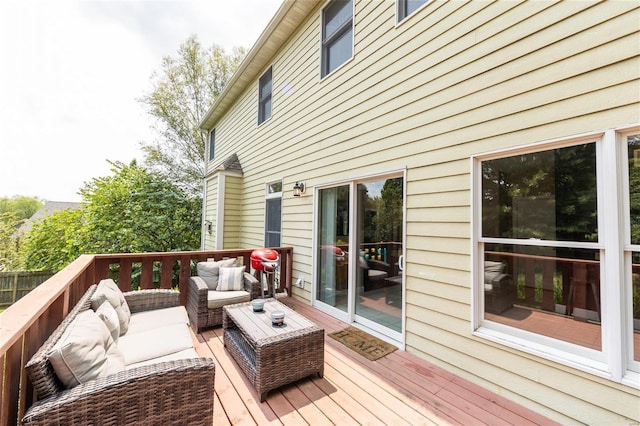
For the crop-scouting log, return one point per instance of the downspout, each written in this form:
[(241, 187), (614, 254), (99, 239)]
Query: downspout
[(203, 228)]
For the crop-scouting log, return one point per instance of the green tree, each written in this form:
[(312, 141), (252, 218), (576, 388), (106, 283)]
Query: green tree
[(182, 92), (13, 212), (137, 210), (132, 211), (54, 241), (23, 207), (9, 259)]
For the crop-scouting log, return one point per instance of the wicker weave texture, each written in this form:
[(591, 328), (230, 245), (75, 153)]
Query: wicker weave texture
[(149, 300), (176, 392), (168, 393), (278, 360)]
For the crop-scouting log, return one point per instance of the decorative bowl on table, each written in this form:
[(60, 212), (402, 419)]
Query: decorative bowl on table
[(257, 305), (277, 318)]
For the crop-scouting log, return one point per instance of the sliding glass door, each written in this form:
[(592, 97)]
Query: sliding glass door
[(359, 252), (380, 235)]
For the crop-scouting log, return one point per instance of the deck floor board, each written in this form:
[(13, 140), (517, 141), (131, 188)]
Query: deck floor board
[(397, 389)]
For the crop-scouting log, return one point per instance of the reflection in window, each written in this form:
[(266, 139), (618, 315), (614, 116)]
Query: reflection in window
[(548, 195), (543, 290), (543, 196)]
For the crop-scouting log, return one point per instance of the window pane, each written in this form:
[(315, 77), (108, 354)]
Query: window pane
[(548, 195), (335, 16), (413, 5), (633, 144), (275, 187), (212, 144), (273, 222), (544, 290), (266, 108), (339, 52), (333, 235)]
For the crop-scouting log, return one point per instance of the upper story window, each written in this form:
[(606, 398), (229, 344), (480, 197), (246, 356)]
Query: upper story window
[(212, 144), (337, 35), (407, 7), (264, 97)]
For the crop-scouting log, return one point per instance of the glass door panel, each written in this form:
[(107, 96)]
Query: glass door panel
[(379, 219), (333, 237)]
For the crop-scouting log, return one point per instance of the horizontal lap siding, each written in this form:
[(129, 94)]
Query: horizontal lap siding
[(453, 80), (211, 207), (232, 212)]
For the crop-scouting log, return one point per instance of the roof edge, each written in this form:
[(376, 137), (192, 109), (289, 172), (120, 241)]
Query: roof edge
[(252, 64)]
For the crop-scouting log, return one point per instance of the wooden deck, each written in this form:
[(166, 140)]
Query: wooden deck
[(399, 389)]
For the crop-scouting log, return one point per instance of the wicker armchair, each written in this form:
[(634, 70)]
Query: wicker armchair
[(172, 392), (201, 315)]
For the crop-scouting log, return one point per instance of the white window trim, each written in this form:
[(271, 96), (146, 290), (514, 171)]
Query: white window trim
[(270, 196), (615, 361), (353, 40), (406, 18)]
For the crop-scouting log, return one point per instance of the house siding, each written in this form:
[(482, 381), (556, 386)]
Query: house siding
[(210, 200), (451, 81), (232, 210)]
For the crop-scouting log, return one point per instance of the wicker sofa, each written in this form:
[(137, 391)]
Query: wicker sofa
[(154, 387)]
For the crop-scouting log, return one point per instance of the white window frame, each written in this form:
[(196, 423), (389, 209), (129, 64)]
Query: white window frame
[(402, 15), (615, 361), (270, 196)]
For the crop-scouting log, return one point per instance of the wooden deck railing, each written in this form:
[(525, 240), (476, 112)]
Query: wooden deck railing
[(28, 323)]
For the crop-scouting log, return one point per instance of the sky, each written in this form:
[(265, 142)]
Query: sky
[(71, 74)]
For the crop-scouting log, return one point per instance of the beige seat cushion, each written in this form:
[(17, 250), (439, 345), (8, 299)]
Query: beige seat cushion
[(147, 320), (218, 299), (108, 291), (154, 343), (85, 351), (210, 271)]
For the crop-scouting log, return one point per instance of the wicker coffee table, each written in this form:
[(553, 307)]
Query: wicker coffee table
[(272, 356)]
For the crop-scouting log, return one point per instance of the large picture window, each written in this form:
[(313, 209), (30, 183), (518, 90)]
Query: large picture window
[(552, 234), (337, 35)]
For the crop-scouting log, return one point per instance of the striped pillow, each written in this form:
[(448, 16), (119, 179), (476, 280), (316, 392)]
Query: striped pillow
[(230, 279)]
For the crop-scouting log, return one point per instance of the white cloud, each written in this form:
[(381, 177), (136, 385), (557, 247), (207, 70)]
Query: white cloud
[(70, 74)]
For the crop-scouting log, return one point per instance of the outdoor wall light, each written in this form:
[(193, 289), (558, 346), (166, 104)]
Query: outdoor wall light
[(209, 225), (298, 189)]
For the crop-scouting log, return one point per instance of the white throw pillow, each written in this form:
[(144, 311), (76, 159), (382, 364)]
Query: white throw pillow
[(85, 351), (109, 316), (231, 279), (209, 271), (108, 291)]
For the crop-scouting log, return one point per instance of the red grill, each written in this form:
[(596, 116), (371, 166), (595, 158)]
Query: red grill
[(266, 260)]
